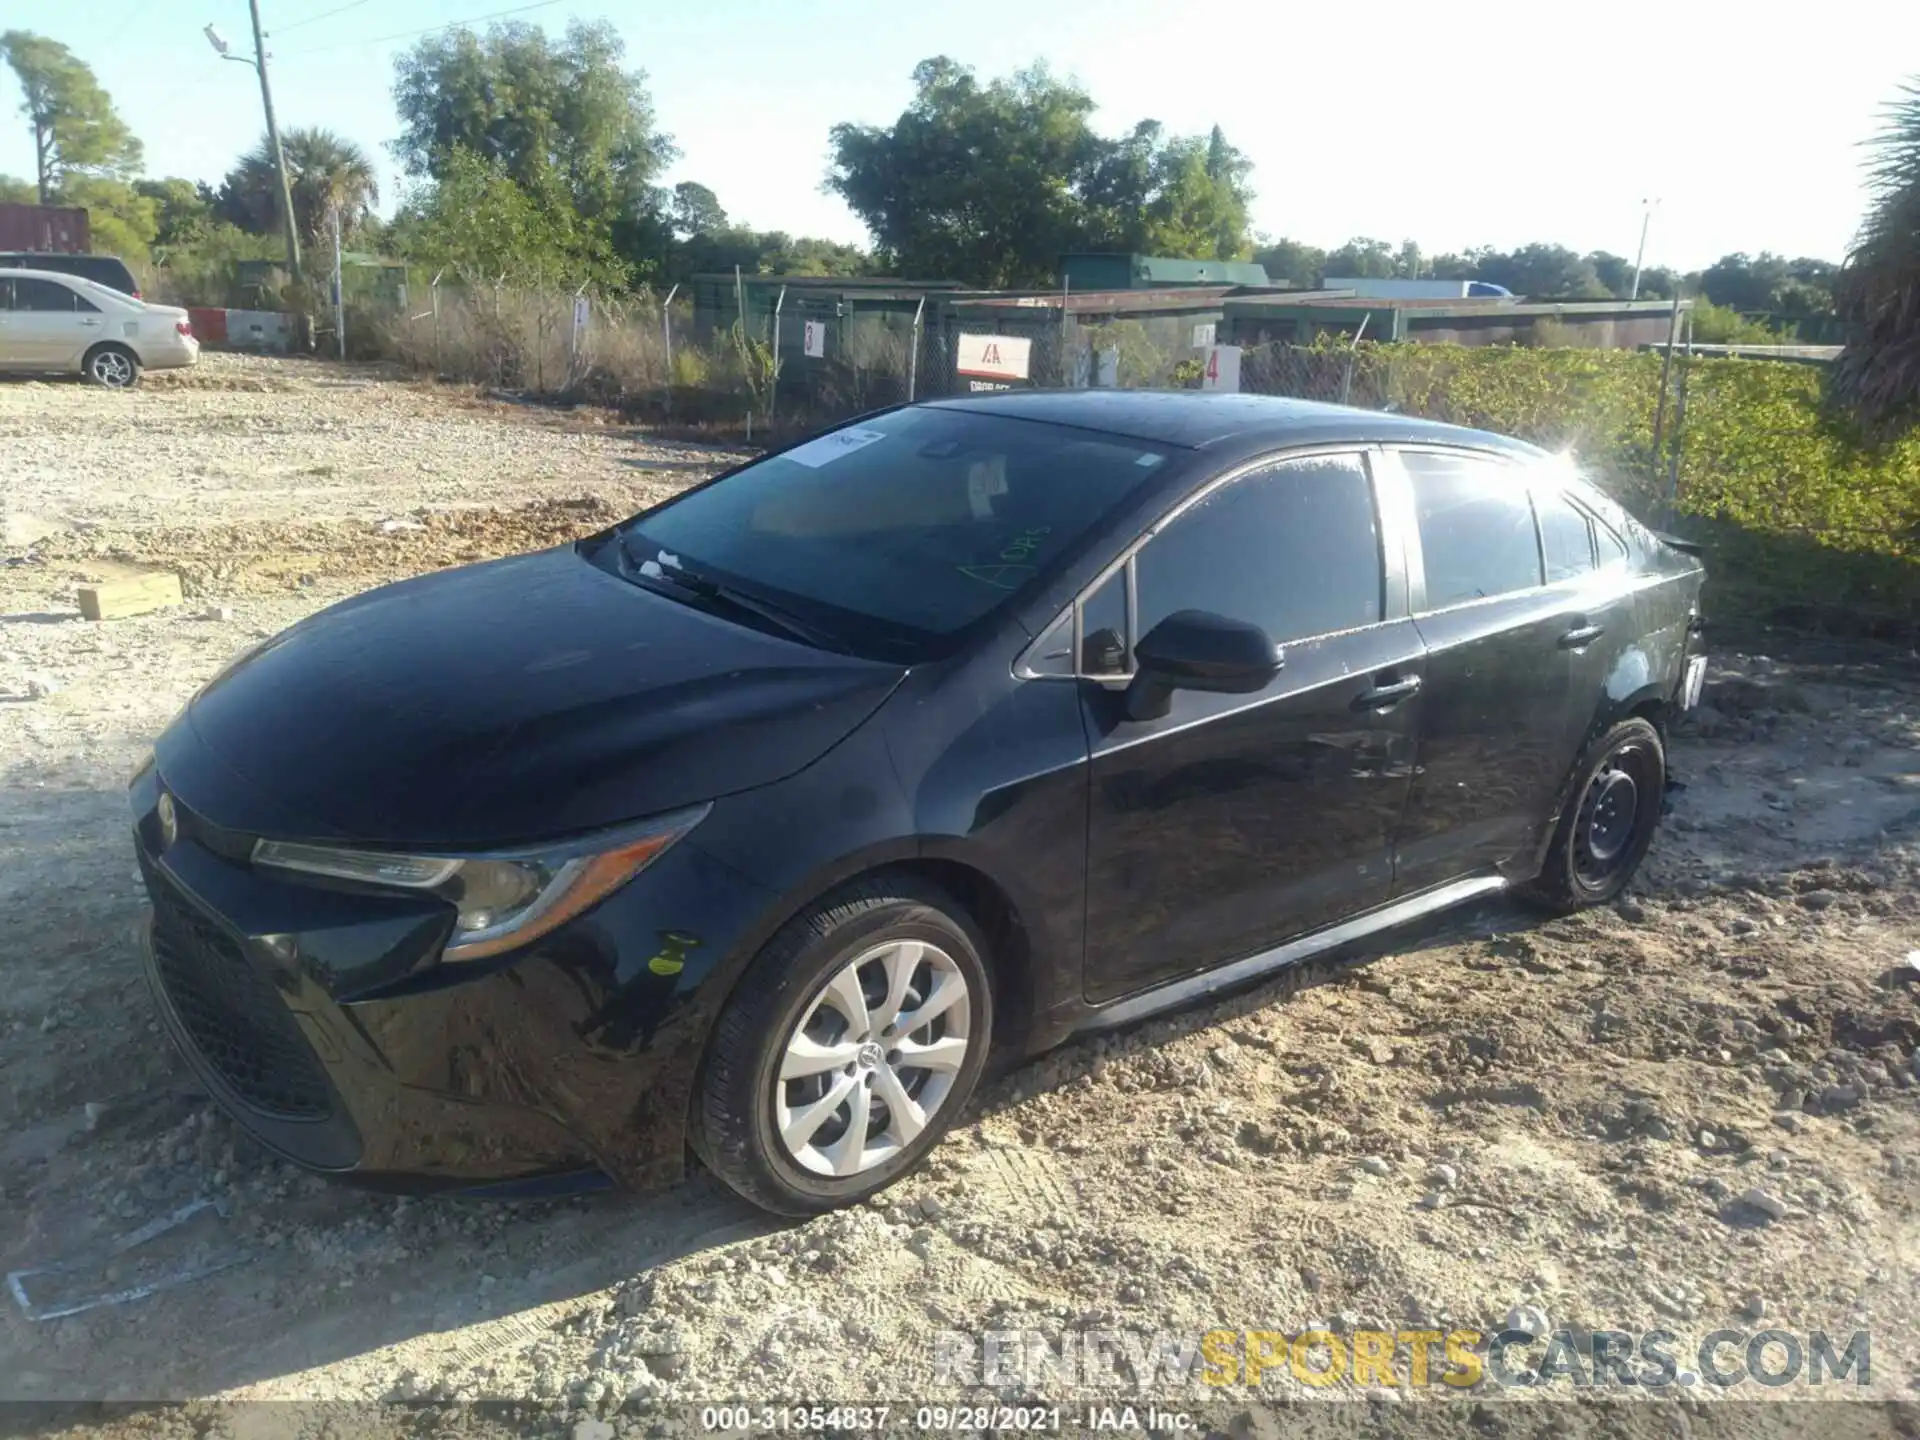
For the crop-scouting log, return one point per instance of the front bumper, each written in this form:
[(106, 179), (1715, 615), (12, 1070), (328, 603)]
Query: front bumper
[(320, 1020)]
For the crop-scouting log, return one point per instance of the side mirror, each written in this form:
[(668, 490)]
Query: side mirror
[(1198, 650)]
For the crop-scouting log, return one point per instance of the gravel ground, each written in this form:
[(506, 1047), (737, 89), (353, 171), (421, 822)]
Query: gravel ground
[(1691, 1111)]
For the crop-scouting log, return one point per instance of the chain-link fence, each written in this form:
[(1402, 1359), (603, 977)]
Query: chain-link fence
[(1728, 447)]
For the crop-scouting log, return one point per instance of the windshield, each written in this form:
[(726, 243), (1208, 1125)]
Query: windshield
[(898, 532)]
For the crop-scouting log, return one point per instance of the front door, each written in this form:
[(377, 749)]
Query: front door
[(50, 325), (1236, 821), (9, 354)]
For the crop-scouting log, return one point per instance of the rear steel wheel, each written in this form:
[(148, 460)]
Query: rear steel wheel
[(1609, 821)]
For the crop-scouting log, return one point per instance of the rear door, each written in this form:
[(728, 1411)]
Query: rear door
[(51, 324), (1588, 563), (1236, 821), (1493, 735)]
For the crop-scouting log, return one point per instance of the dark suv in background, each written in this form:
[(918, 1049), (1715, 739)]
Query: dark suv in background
[(108, 270)]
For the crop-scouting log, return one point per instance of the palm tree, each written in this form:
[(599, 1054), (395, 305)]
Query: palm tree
[(323, 170), (1878, 374)]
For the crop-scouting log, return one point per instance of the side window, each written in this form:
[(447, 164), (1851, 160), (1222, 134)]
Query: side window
[(1613, 550), (1476, 527), (1294, 549), (1566, 536), (6, 295), (1103, 628), (32, 293)]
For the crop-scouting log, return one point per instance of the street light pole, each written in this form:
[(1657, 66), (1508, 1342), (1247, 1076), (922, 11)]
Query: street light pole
[(258, 60), (1646, 219)]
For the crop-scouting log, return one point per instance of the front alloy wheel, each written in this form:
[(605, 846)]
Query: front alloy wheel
[(849, 1047), (874, 1058)]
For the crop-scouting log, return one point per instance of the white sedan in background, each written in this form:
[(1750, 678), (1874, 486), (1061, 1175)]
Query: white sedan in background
[(54, 323)]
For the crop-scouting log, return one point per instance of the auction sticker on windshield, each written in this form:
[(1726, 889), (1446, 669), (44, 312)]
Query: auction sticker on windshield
[(829, 448)]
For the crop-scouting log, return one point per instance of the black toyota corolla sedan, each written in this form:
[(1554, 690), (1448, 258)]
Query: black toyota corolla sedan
[(753, 825)]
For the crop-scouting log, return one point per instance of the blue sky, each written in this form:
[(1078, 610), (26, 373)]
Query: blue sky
[(1475, 123)]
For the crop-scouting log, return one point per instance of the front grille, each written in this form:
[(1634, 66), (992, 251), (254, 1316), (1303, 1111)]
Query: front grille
[(233, 1014)]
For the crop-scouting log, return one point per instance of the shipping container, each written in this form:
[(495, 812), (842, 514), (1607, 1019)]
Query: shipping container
[(58, 229), (1102, 270), (1368, 288)]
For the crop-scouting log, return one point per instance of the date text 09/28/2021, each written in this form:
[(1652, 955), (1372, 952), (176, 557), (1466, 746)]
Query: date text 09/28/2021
[(941, 1419)]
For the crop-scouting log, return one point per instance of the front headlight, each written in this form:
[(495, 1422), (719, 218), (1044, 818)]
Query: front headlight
[(505, 899)]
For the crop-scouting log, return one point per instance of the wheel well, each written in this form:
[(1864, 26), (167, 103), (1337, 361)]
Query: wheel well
[(1655, 711), (1009, 952)]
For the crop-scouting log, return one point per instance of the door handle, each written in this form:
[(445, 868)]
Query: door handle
[(91, 324), (1383, 697), (1583, 635)]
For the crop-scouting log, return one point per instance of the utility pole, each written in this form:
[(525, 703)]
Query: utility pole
[(273, 138), (259, 63)]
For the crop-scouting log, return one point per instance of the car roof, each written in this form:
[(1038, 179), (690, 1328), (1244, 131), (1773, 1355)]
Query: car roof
[(1195, 419), (65, 277), (14, 258)]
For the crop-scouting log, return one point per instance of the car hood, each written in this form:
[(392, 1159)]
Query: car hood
[(509, 701)]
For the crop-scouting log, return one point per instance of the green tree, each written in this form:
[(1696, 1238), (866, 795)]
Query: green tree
[(323, 171), (1615, 272), (1878, 374), (15, 191), (1292, 263), (974, 182), (559, 119), (1713, 324), (1771, 284), (76, 132), (1361, 259), (992, 182), (1542, 272), (1744, 282), (1195, 203), (121, 221), (696, 210), (183, 210), (482, 225)]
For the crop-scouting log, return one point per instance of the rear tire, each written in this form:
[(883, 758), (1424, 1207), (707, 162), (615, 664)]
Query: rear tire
[(1613, 808), (809, 1097), (112, 367)]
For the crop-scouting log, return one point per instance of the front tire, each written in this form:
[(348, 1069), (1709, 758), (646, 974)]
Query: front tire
[(113, 367), (849, 1048), (1612, 811)]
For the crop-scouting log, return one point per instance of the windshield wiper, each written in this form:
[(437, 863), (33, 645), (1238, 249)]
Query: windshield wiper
[(707, 588)]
